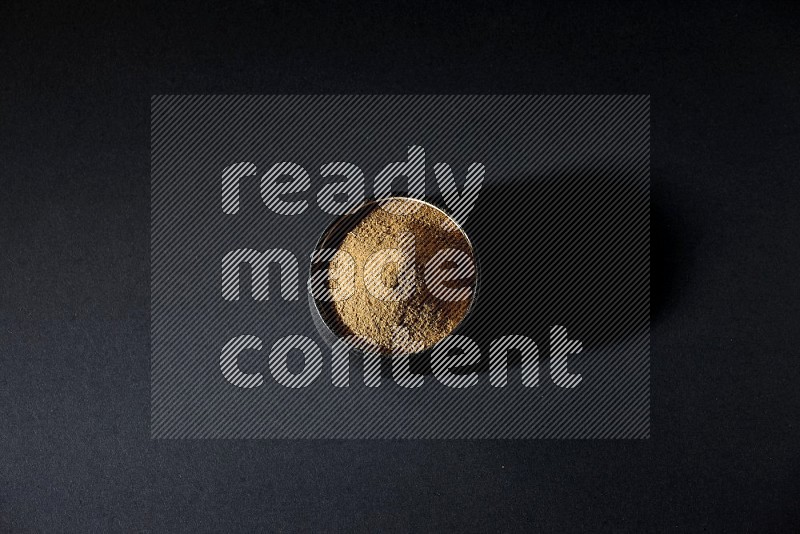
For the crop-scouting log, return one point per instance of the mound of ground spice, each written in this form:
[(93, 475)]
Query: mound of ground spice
[(423, 318)]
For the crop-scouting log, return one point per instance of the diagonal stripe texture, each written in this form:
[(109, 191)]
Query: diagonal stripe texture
[(553, 192)]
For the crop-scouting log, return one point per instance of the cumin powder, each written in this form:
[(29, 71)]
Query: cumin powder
[(423, 318)]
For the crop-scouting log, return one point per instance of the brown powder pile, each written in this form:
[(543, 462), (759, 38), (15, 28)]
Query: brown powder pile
[(425, 318)]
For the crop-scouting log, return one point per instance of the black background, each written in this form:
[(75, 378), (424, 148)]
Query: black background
[(76, 81)]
